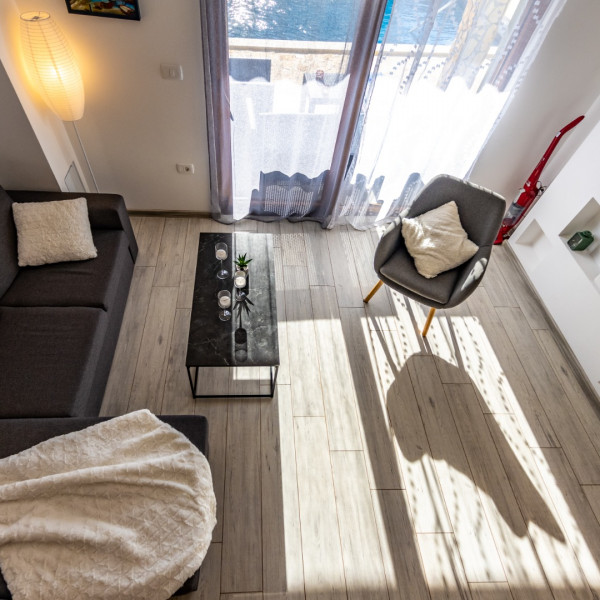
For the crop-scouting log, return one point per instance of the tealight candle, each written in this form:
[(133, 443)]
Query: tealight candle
[(240, 281), (225, 301), (221, 254)]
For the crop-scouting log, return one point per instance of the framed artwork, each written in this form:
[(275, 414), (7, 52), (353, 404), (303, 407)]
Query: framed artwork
[(117, 9)]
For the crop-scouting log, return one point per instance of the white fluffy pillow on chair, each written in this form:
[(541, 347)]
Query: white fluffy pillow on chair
[(51, 232), (436, 240)]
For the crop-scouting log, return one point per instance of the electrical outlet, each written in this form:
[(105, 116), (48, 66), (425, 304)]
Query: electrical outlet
[(185, 169), (168, 71)]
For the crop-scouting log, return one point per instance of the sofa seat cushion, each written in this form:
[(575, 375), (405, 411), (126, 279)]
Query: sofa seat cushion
[(91, 283), (48, 358)]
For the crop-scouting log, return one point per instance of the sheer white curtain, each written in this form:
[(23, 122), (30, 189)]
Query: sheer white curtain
[(432, 102), (283, 137)]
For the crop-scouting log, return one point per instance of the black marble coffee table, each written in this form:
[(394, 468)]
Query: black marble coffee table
[(250, 338)]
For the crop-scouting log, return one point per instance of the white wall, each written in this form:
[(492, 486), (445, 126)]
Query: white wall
[(21, 156), (568, 282), (137, 126), (562, 83)]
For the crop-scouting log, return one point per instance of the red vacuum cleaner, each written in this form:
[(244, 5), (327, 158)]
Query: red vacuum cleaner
[(531, 190)]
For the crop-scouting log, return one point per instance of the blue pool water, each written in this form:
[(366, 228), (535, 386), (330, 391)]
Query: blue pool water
[(333, 20)]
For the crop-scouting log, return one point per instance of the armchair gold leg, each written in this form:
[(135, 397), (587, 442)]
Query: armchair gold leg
[(428, 322), (373, 291)]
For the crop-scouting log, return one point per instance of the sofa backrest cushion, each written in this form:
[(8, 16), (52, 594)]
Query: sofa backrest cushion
[(9, 266)]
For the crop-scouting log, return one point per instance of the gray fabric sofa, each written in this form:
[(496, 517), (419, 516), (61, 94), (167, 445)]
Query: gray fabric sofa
[(59, 326), (59, 323)]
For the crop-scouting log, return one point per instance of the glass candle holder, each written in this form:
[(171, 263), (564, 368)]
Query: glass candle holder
[(221, 253), (224, 302), (239, 281)]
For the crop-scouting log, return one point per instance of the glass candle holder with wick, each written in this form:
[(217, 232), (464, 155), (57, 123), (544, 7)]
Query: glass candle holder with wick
[(239, 281), (224, 301), (221, 254)]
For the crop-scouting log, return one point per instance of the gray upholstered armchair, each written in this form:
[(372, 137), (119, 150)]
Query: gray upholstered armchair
[(480, 212)]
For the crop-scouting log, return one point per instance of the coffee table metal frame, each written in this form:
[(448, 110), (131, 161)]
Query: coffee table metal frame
[(273, 371)]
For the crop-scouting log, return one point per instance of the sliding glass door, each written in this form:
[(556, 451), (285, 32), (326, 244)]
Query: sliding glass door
[(289, 67), (293, 73)]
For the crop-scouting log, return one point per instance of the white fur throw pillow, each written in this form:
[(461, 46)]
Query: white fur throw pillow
[(51, 232), (437, 241)]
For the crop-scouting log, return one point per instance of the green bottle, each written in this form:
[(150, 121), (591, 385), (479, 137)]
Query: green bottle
[(581, 240)]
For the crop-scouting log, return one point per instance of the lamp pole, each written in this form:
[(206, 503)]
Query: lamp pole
[(87, 161)]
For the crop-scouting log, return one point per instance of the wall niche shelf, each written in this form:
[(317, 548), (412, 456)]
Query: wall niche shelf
[(535, 244), (589, 259)]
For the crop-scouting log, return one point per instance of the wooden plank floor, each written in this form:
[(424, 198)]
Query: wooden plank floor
[(463, 466)]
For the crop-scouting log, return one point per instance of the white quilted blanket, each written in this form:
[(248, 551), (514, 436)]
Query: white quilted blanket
[(122, 510)]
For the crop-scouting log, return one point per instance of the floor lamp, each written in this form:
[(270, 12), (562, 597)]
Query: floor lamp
[(53, 69)]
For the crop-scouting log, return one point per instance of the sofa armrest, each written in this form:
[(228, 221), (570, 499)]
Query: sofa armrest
[(106, 211)]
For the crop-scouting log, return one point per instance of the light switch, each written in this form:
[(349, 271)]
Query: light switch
[(169, 71)]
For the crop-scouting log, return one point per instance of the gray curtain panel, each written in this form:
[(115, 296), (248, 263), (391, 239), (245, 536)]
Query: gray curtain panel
[(363, 50), (213, 14)]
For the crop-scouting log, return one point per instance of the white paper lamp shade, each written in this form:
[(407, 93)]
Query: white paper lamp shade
[(51, 65)]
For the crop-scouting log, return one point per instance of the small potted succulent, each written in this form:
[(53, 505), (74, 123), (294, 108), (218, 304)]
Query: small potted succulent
[(241, 262)]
